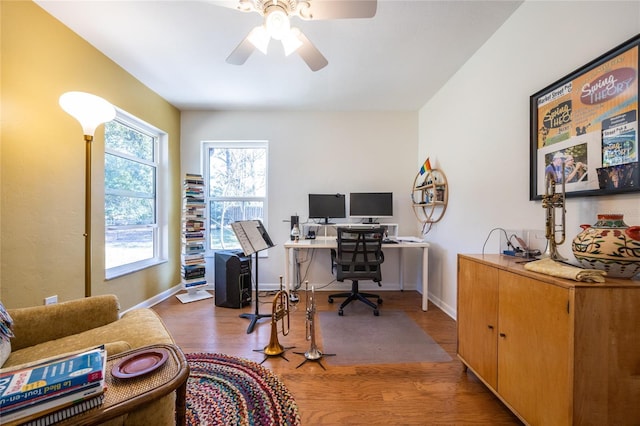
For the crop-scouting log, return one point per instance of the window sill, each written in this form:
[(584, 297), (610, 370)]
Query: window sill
[(131, 268)]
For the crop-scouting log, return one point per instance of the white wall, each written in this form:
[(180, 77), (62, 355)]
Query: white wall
[(319, 152), (477, 129)]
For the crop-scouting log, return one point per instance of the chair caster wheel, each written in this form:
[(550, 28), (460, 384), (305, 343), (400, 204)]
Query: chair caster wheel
[(331, 300), (376, 312), (341, 312), (379, 301)]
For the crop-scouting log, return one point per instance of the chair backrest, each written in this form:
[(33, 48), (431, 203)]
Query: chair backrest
[(359, 254)]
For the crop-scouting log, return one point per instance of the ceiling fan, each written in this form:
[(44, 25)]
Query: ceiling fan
[(277, 14)]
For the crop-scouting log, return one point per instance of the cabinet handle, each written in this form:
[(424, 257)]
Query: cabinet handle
[(503, 335), (490, 327)]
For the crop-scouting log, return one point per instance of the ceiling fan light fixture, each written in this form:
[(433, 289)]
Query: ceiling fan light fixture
[(291, 42), (260, 38), (277, 23)]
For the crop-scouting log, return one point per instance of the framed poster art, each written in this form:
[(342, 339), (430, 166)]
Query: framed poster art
[(584, 127)]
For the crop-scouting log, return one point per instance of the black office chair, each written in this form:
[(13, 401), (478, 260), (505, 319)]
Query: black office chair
[(358, 257)]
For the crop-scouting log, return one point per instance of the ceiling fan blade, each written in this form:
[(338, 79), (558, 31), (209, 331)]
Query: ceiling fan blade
[(242, 5), (310, 54), (241, 53), (338, 9)]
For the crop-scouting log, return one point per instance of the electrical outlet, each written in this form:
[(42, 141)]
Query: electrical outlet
[(51, 300)]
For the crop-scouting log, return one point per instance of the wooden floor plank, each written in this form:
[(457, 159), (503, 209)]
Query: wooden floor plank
[(397, 394)]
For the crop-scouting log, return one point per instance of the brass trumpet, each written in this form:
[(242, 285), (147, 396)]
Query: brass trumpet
[(279, 313), (551, 201), (313, 354)]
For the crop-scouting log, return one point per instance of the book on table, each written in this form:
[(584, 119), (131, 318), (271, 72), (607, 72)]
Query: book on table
[(65, 413), (52, 384), (61, 407)]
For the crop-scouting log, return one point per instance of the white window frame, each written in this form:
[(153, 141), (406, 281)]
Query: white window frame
[(205, 146), (160, 227)]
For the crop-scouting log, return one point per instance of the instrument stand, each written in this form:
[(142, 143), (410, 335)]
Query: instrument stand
[(257, 315), (313, 356), (281, 354)]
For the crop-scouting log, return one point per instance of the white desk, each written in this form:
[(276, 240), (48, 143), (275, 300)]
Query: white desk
[(331, 243)]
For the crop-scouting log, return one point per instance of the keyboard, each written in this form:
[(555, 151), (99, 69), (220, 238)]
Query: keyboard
[(389, 241)]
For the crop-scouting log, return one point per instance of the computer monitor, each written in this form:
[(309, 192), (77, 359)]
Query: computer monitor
[(370, 205), (326, 206)]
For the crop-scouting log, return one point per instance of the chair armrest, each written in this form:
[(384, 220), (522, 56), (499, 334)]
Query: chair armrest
[(40, 324)]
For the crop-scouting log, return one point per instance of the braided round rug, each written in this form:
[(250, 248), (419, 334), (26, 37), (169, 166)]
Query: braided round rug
[(226, 390)]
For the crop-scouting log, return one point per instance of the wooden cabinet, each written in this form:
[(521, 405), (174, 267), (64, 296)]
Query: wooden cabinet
[(478, 318), (555, 351)]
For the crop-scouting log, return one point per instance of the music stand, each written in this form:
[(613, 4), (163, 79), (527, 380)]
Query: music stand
[(253, 238)]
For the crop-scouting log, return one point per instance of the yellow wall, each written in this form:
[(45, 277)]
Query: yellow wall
[(42, 163)]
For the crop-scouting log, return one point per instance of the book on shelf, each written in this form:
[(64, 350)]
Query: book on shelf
[(193, 248), (51, 377), (193, 235), (60, 407), (193, 178), (194, 283), (191, 262), (199, 275), (194, 212), (193, 225), (193, 240), (193, 256)]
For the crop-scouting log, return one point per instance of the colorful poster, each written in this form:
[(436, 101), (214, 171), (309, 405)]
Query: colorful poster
[(588, 120)]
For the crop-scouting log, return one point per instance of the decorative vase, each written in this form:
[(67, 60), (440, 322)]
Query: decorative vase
[(609, 245)]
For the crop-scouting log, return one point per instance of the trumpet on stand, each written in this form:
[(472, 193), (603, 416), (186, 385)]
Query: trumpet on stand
[(279, 313), (551, 201), (313, 354)]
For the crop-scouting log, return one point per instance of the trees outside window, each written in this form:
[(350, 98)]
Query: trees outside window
[(131, 167), (236, 179)]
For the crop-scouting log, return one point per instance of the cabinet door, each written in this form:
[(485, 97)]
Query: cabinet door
[(534, 350), (478, 318)]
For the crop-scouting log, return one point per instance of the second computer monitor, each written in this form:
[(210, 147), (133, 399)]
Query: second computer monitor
[(371, 205)]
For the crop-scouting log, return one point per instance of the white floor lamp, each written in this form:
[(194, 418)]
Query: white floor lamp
[(90, 111)]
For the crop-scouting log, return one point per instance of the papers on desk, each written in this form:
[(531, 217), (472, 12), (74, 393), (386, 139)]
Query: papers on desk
[(410, 239)]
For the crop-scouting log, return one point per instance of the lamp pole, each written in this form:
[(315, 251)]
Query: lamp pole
[(90, 111), (87, 216)]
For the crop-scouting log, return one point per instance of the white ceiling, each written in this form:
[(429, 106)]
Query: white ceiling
[(393, 62)]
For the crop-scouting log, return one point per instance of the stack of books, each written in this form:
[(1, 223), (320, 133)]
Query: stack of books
[(193, 233), (53, 390)]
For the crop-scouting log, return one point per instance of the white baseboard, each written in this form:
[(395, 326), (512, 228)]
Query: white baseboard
[(443, 306), (276, 286), (156, 299)]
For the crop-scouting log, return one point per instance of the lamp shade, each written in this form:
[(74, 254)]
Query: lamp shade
[(90, 110)]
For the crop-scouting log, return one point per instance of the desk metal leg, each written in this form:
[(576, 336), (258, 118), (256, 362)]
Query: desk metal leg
[(425, 278), (287, 268), (401, 268)]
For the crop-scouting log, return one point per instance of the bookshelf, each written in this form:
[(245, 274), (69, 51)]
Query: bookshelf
[(193, 266), (430, 196)]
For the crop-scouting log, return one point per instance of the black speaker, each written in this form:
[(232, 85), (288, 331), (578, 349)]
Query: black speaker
[(232, 279)]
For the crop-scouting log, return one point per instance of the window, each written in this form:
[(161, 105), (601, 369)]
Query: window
[(131, 200), (235, 174)]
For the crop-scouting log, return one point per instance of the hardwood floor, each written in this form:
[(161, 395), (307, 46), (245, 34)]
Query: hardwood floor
[(398, 394)]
